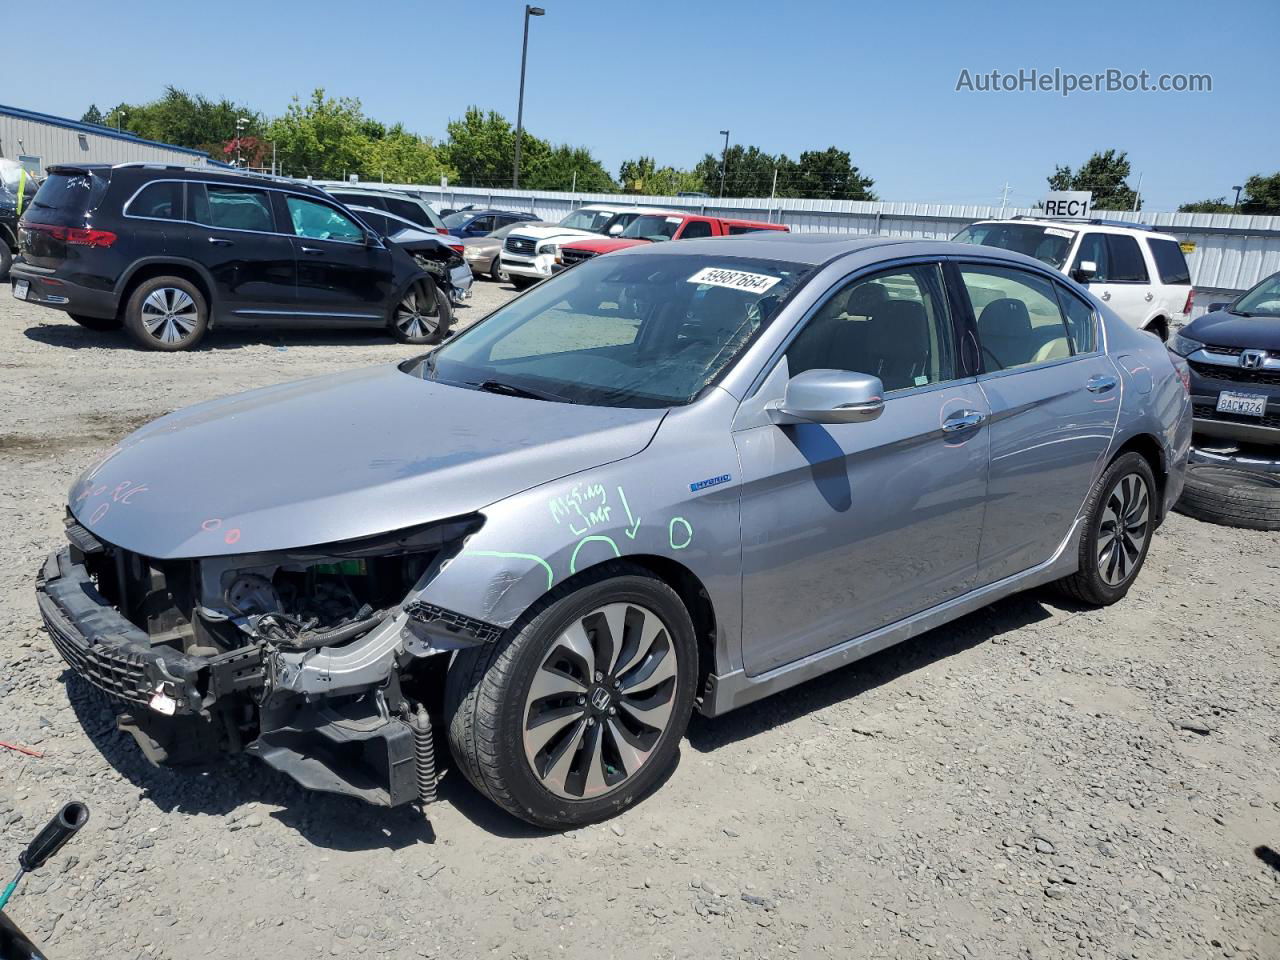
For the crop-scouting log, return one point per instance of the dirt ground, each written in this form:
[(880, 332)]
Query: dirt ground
[(1033, 781)]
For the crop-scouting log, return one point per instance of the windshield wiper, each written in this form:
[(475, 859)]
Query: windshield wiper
[(511, 390)]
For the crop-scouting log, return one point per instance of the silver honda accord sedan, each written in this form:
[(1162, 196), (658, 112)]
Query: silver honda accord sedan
[(675, 477)]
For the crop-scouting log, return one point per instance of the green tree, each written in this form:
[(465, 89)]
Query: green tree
[(636, 175), (92, 115), (1216, 205), (322, 137), (642, 175), (564, 167), (748, 171), (1105, 174), (481, 148), (824, 174), (403, 157), (185, 120), (1261, 194)]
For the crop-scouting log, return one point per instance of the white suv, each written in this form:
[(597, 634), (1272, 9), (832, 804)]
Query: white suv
[(1139, 273), (529, 252)]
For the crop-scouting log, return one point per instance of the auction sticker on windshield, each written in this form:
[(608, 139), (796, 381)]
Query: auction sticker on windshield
[(734, 279)]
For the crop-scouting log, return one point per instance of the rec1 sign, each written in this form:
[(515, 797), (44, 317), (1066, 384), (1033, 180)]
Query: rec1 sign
[(1068, 204)]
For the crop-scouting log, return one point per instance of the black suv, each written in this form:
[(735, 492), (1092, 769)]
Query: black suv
[(167, 252), (1234, 355)]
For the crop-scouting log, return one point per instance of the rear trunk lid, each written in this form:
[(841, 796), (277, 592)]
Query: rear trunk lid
[(60, 215)]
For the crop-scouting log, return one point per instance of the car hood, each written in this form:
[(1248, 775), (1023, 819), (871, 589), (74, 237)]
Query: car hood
[(608, 244), (336, 458), (546, 233), (483, 244), (1223, 329)]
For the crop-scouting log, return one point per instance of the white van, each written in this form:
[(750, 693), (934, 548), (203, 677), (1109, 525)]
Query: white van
[(1141, 274)]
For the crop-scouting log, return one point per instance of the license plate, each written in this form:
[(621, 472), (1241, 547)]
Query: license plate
[(1244, 404), (20, 289)]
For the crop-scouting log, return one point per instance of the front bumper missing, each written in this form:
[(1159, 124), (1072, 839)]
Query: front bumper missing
[(182, 708)]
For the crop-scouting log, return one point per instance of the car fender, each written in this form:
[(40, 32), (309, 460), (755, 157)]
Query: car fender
[(677, 500), (125, 278)]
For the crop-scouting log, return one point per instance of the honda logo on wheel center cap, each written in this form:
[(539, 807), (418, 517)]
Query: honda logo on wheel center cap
[(600, 698)]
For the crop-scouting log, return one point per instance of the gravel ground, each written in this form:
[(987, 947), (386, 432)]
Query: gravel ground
[(1032, 781)]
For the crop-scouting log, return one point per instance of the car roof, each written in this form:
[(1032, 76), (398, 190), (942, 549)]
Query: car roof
[(820, 248), (1096, 224), (489, 211), (371, 191)]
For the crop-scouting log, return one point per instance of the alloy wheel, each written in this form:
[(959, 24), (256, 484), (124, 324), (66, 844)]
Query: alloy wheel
[(600, 701), (169, 314), (418, 314), (1124, 528)]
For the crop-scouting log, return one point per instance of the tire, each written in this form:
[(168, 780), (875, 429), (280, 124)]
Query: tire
[(522, 283), (6, 260), (497, 274), (1231, 496), (571, 777), (1124, 499), (96, 323), (167, 314), (422, 315)]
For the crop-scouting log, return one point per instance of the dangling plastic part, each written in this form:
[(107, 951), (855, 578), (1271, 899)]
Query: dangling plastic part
[(424, 751)]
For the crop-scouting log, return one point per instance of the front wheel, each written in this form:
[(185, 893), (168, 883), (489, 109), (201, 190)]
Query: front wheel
[(423, 314), (1120, 517), (498, 274), (577, 714)]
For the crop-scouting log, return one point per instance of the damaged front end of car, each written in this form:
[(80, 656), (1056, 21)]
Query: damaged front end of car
[(320, 661)]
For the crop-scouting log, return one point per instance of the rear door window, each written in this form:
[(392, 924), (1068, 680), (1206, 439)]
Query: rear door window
[(1019, 320), (1093, 249), (481, 225), (161, 200), (1170, 262), (230, 208), (1127, 265)]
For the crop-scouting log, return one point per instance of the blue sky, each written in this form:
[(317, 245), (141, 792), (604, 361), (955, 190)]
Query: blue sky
[(662, 77)]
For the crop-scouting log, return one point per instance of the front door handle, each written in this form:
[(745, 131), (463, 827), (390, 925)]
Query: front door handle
[(313, 251), (1149, 297), (221, 242), (964, 420), (1106, 294), (1101, 383)]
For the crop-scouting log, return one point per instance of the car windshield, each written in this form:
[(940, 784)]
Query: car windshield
[(652, 228), (1262, 301), (10, 174), (458, 219), (591, 220), (1047, 244), (621, 331)]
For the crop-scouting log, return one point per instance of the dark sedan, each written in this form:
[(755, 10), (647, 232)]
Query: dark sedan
[(480, 223), (1234, 355)]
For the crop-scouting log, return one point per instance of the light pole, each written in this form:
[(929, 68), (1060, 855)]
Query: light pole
[(1236, 205), (120, 115), (724, 161), (241, 123), (524, 55)]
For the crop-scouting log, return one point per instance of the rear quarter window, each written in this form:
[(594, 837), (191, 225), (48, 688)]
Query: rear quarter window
[(1170, 262), (417, 212), (157, 201)]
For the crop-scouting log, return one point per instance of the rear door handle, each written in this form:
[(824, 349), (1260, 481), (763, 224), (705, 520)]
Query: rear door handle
[(222, 242), (964, 420), (1101, 383), (313, 251)]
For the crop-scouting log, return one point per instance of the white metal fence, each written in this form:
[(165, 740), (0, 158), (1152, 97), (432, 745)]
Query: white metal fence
[(1232, 252)]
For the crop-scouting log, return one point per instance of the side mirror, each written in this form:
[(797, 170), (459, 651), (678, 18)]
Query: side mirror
[(1221, 305), (1084, 272), (829, 396), (615, 230), (371, 239)]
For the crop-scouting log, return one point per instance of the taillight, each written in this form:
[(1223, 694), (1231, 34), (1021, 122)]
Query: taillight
[(443, 230), (1191, 296), (457, 247), (74, 236)]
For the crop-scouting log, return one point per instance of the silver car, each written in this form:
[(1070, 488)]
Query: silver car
[(677, 477)]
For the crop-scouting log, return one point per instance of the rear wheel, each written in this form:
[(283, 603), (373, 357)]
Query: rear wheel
[(575, 716), (166, 313), (1120, 517), (96, 323), (423, 314)]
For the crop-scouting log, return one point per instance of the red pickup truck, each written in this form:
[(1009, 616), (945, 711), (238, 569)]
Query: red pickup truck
[(656, 227)]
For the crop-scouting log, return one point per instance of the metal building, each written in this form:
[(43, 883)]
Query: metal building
[(37, 140)]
